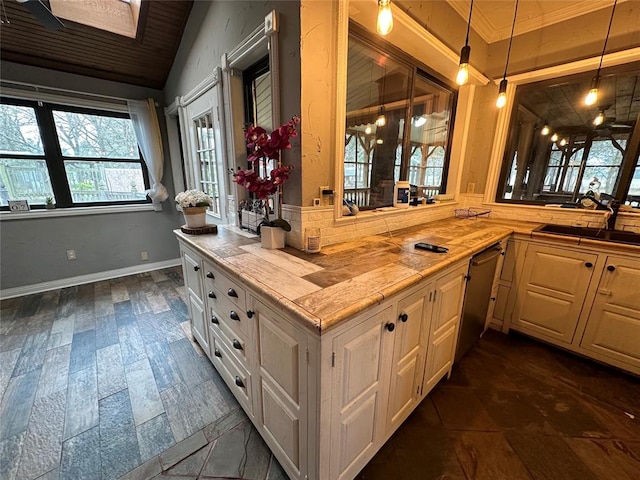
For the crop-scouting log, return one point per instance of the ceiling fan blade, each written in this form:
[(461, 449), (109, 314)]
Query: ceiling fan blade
[(42, 13)]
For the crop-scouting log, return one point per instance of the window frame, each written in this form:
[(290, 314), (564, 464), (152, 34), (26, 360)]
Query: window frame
[(55, 160), (417, 69)]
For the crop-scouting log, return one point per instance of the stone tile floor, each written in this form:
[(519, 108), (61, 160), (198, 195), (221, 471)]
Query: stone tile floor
[(103, 381)]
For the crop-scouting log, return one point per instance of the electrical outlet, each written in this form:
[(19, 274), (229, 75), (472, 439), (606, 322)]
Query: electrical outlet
[(71, 255), (471, 187), (144, 256)]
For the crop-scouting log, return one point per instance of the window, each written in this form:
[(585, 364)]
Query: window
[(206, 158), (573, 155), (397, 125), (79, 157)]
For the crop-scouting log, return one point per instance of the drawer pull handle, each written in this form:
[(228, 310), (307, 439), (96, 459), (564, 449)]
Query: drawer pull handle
[(217, 353), (239, 382), (588, 264), (215, 320), (211, 294), (611, 268), (403, 317), (390, 326), (210, 275), (236, 344), (232, 293), (234, 316), (250, 313), (196, 268)]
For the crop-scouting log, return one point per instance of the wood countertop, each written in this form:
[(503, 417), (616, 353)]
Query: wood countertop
[(322, 289)]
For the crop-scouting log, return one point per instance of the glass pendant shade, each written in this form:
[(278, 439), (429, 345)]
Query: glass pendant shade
[(385, 18), (554, 137), (381, 121), (463, 70), (545, 130), (599, 120), (502, 94), (592, 96)]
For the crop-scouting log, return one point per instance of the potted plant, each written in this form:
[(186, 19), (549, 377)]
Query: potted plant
[(193, 204), (267, 175), (48, 203)]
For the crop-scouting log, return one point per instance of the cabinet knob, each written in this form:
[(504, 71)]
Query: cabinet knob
[(215, 320), (403, 317), (196, 268), (232, 293), (234, 316), (217, 353), (236, 344), (588, 264), (239, 382), (210, 275), (390, 326), (250, 313), (211, 294), (611, 268)]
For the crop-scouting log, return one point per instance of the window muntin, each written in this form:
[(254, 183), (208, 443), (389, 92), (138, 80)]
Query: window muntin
[(77, 167), (393, 111), (541, 169)]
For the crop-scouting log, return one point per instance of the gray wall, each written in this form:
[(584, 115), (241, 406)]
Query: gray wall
[(34, 251), (215, 28)]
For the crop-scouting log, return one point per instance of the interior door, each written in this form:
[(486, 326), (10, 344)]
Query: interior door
[(203, 148)]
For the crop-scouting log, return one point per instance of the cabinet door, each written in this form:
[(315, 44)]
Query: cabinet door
[(409, 347), (282, 374), (192, 269), (359, 394), (198, 323), (551, 292), (613, 328), (445, 322)]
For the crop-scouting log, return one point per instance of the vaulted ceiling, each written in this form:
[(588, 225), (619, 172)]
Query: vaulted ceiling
[(81, 49)]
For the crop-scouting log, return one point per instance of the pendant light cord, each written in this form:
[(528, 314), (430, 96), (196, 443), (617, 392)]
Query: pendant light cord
[(466, 40), (513, 25), (606, 39)]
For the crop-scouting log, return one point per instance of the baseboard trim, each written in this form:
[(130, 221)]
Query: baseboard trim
[(82, 279)]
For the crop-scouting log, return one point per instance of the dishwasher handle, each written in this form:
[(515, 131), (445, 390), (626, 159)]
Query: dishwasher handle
[(486, 259)]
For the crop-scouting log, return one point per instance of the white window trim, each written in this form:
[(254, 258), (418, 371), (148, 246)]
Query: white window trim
[(76, 211)]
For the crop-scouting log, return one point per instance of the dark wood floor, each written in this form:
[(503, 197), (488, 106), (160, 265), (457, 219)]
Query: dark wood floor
[(101, 379)]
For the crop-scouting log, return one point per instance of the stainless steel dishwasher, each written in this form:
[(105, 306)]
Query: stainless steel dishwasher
[(482, 269)]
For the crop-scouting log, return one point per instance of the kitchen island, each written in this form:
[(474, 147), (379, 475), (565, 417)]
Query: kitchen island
[(329, 353)]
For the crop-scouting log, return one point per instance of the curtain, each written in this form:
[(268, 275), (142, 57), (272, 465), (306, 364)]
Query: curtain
[(145, 123)]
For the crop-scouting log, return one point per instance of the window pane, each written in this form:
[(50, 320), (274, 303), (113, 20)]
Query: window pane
[(105, 181), (24, 179), (377, 104), (633, 197), (19, 132), (95, 136)]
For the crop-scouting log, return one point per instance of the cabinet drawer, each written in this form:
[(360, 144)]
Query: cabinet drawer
[(235, 342), (235, 318), (215, 279), (235, 375)]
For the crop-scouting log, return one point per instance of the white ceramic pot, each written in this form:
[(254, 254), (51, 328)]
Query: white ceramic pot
[(271, 237), (196, 217)]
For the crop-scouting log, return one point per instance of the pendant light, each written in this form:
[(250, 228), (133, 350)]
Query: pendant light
[(502, 91), (385, 18), (592, 96), (599, 120), (463, 69), (554, 137), (545, 130)]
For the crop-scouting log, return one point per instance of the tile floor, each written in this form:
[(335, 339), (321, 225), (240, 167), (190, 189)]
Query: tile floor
[(102, 381)]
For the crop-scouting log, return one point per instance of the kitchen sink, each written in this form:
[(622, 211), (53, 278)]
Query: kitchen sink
[(617, 236)]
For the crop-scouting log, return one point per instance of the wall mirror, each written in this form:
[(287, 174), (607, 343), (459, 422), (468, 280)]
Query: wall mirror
[(558, 148)]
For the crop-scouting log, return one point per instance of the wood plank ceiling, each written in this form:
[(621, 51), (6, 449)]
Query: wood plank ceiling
[(144, 60)]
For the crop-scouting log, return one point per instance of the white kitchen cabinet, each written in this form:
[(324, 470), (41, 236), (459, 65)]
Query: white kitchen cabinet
[(613, 328), (359, 391), (552, 290), (192, 271), (409, 354), (448, 296)]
